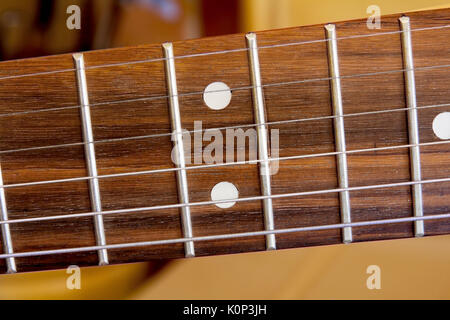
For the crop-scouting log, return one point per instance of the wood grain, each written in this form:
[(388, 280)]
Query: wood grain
[(129, 100)]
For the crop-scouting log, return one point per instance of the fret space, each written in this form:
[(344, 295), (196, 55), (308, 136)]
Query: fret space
[(134, 81), (229, 68), (136, 192), (142, 190), (232, 69), (239, 113), (124, 120), (50, 200), (244, 216), (379, 96), (371, 205), (39, 130), (40, 92), (432, 89), (42, 154), (151, 225), (118, 152), (306, 175)]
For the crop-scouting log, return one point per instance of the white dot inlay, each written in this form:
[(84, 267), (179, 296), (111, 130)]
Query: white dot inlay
[(441, 125), (217, 95), (224, 191)]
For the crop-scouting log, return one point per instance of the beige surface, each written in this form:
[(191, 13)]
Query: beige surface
[(110, 282), (269, 14), (410, 269)]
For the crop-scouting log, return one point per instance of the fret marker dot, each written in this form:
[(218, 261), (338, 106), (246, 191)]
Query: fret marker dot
[(441, 125), (224, 191), (217, 95)]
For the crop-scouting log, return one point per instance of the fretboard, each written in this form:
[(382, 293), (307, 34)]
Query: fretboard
[(132, 154)]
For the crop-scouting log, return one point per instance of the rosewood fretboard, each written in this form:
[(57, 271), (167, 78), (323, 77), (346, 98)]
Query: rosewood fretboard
[(41, 139)]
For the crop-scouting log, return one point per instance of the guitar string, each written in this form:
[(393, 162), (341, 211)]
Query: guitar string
[(225, 51), (225, 236), (214, 202), (206, 166), (268, 47), (275, 84), (219, 128), (251, 125)]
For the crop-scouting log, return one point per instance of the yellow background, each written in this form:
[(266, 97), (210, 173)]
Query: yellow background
[(410, 269)]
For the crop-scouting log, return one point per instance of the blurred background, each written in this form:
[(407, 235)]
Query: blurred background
[(410, 269), (37, 27)]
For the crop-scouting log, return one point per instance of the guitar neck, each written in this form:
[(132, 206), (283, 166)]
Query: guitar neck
[(351, 124)]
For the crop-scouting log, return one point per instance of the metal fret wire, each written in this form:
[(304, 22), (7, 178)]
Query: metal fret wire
[(339, 131), (204, 203), (413, 124), (259, 114), (223, 52), (180, 161), (224, 236), (89, 155)]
